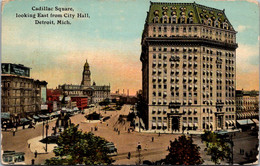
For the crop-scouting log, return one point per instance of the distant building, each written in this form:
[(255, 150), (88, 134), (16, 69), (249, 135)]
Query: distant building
[(53, 99), (188, 68), (22, 96), (247, 103), (94, 93), (126, 99)]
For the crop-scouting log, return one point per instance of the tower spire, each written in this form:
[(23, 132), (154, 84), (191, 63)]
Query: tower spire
[(86, 80)]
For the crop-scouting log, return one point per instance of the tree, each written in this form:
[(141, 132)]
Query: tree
[(75, 147), (183, 152), (217, 146)]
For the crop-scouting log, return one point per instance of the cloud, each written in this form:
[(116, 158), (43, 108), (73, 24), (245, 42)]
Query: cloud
[(246, 57), (242, 28), (247, 67)]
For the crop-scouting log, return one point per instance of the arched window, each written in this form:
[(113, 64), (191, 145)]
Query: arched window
[(190, 20), (209, 22), (165, 19), (225, 25), (182, 19), (156, 19), (217, 23), (174, 19)]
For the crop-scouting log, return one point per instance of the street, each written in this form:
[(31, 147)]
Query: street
[(124, 141)]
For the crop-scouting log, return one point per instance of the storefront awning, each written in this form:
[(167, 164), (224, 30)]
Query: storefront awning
[(35, 117), (24, 120), (245, 122), (5, 115), (75, 109), (255, 121), (43, 116)]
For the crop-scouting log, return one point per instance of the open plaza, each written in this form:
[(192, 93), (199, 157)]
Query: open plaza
[(154, 145)]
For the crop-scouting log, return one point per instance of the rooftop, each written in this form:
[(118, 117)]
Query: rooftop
[(196, 11)]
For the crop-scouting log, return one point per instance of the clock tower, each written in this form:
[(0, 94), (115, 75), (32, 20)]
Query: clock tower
[(86, 81)]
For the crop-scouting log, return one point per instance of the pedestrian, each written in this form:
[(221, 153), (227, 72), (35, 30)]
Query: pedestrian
[(152, 139), (29, 145), (33, 161), (159, 134), (13, 132), (23, 126), (118, 132), (129, 155), (55, 131), (35, 154), (107, 124), (128, 130)]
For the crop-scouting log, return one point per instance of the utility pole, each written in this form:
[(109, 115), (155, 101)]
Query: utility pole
[(47, 127)]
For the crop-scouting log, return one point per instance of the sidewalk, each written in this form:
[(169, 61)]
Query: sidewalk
[(36, 145)]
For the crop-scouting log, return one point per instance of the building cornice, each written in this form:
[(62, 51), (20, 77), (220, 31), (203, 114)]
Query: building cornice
[(189, 41)]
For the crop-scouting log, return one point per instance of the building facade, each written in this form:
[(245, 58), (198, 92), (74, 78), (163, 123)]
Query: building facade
[(188, 68), (21, 95), (247, 103), (94, 93)]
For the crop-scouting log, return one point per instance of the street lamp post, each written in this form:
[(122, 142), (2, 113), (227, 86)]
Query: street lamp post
[(43, 129), (47, 127), (139, 147)]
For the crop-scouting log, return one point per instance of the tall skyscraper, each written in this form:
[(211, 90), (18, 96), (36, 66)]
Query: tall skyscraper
[(188, 68), (86, 80)]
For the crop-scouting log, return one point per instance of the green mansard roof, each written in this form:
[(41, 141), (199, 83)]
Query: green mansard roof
[(199, 12)]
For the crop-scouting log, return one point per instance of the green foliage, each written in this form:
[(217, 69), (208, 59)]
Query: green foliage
[(183, 152), (217, 146), (76, 147)]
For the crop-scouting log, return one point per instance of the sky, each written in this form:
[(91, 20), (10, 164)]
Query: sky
[(110, 40)]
